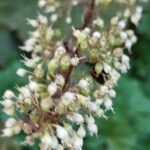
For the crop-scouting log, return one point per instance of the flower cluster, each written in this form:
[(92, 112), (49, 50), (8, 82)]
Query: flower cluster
[(71, 81)]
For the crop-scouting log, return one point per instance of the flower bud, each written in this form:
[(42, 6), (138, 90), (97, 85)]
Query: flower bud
[(52, 88), (98, 68), (61, 133), (9, 94), (21, 72), (81, 132), (65, 62), (52, 66)]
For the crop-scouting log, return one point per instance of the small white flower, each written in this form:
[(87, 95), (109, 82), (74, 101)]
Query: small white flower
[(68, 20), (54, 142), (122, 24), (128, 44), (43, 19), (10, 123), (33, 23), (90, 120), (9, 94), (108, 103), (69, 96), (7, 132), (78, 143), (107, 68), (83, 84), (75, 61), (33, 86), (16, 129), (62, 133), (125, 59), (81, 132), (123, 35), (9, 111), (25, 91), (54, 18), (92, 106), (60, 51), (93, 129), (47, 139), (21, 72), (7, 103), (78, 118), (97, 34), (52, 88), (42, 3), (112, 93)]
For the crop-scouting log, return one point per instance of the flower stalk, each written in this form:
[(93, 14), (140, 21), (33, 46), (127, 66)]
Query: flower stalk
[(71, 81)]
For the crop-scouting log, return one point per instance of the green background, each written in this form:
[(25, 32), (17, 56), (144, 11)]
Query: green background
[(129, 127)]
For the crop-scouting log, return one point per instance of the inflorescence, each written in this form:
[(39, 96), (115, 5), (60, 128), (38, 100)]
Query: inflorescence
[(71, 80)]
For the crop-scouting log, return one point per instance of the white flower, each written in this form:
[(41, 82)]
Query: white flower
[(83, 84), (60, 51), (99, 101), (25, 91), (123, 35), (9, 94), (33, 86), (97, 34), (10, 123), (90, 120), (78, 118), (33, 23), (128, 44), (21, 72), (52, 88), (54, 17), (7, 103), (92, 106), (7, 132), (43, 19), (69, 96), (9, 111), (108, 103), (68, 20), (54, 142), (42, 3), (125, 59), (107, 68), (78, 142), (47, 139), (16, 129), (122, 24), (62, 133), (112, 93), (75, 61), (92, 128), (81, 132)]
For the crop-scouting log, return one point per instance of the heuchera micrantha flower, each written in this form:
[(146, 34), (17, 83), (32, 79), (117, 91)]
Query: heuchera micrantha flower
[(71, 80)]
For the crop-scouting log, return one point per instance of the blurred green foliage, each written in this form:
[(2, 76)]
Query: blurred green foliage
[(129, 127)]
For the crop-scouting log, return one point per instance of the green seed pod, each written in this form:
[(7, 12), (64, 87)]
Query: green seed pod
[(65, 62), (52, 66), (98, 68)]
